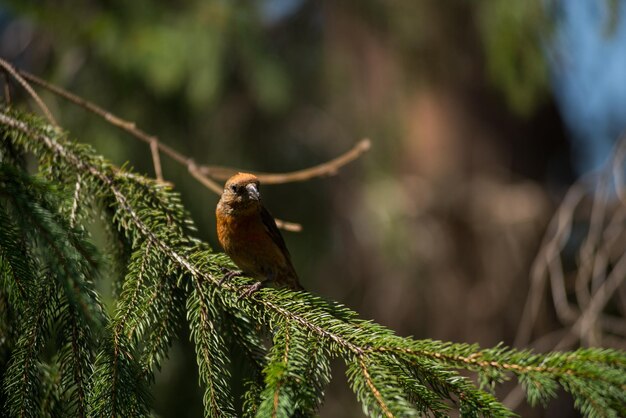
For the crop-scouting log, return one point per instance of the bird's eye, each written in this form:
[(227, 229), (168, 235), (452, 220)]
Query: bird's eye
[(233, 188)]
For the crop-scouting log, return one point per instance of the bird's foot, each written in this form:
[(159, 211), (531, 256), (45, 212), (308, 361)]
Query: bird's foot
[(250, 290), (229, 274)]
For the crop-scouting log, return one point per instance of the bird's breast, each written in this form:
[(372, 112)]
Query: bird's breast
[(246, 241)]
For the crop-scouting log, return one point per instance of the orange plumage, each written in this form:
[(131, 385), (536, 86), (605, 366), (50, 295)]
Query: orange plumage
[(249, 235)]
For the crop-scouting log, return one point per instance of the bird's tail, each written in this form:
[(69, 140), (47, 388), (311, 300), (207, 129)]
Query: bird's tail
[(296, 285), (289, 279)]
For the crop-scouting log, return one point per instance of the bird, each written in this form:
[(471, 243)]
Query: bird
[(249, 235)]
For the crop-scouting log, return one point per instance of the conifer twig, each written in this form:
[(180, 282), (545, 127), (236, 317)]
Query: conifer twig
[(373, 389), (75, 199)]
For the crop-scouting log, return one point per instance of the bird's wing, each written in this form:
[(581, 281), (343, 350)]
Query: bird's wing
[(291, 279), (272, 230)]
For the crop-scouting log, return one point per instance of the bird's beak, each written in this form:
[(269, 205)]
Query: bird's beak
[(253, 192)]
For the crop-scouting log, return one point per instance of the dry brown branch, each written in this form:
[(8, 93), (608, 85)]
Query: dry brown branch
[(328, 168), (594, 265), (588, 318), (199, 172), (8, 69), (118, 122), (597, 202), (139, 134), (555, 239), (591, 243)]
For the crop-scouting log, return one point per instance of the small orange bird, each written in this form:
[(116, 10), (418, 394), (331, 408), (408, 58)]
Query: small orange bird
[(250, 237)]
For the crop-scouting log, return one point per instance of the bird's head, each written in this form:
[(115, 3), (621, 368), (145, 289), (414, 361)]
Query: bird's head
[(241, 192)]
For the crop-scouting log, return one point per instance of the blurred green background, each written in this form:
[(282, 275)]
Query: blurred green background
[(481, 114)]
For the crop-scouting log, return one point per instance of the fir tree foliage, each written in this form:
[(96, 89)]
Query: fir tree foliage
[(63, 354)]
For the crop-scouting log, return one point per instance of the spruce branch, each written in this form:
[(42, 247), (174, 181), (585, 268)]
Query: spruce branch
[(390, 375), (22, 380), (74, 360), (74, 260), (166, 313), (52, 402), (204, 319), (17, 262), (296, 374), (70, 267), (119, 388)]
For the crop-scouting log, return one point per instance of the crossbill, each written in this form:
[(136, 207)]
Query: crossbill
[(250, 237)]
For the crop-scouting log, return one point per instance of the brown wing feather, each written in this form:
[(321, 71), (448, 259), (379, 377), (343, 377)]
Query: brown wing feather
[(272, 230)]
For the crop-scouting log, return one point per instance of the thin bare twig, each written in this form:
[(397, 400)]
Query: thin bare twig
[(204, 180), (599, 300), (156, 160), (559, 231), (75, 200), (8, 68), (205, 174), (118, 122), (591, 243), (328, 168), (151, 140)]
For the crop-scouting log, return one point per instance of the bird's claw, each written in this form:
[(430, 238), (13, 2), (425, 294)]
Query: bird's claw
[(250, 290), (229, 274)]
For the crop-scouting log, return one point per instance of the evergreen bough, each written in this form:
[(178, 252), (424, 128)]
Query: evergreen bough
[(62, 353)]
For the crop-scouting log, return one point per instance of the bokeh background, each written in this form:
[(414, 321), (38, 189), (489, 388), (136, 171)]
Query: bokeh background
[(481, 114)]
